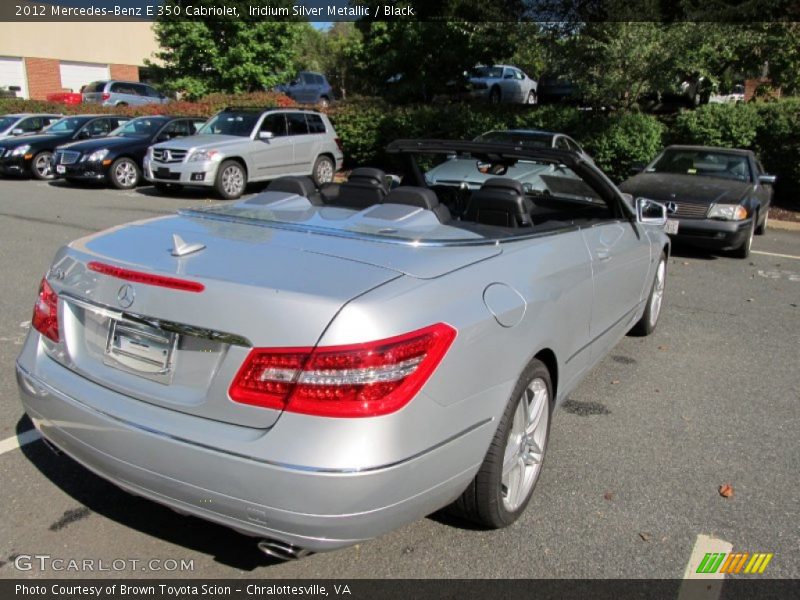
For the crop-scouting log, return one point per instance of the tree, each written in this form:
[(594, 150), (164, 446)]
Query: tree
[(217, 54)]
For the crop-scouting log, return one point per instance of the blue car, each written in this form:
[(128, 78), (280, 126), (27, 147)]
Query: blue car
[(308, 88)]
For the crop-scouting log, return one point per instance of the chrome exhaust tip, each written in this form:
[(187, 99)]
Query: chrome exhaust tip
[(282, 551)]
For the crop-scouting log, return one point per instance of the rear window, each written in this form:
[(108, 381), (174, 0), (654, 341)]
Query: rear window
[(315, 123), (94, 87)]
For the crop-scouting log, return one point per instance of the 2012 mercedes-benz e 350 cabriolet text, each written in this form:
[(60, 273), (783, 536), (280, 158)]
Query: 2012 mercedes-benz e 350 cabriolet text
[(315, 367)]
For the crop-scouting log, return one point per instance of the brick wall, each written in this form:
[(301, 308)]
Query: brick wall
[(125, 72), (44, 77)]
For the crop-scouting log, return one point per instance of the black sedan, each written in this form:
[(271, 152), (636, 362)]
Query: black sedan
[(117, 158), (33, 154), (718, 197)]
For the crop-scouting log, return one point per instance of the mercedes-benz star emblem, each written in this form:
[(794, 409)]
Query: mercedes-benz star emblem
[(672, 208), (126, 295)]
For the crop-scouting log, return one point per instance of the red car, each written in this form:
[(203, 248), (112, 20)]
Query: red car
[(65, 97)]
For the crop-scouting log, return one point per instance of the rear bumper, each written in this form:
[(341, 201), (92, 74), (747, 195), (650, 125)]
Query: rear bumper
[(320, 509), (709, 233), (184, 173)]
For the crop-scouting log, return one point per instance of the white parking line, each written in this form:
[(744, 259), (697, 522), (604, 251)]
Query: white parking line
[(690, 589), (775, 254), (17, 441)]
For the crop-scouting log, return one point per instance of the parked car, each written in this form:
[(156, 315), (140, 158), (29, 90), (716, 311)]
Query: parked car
[(32, 154), (465, 170), (734, 96), (308, 88), (719, 197), (118, 157), (65, 97), (502, 83), (17, 124), (241, 145), (688, 91), (321, 370), (122, 93), (555, 89)]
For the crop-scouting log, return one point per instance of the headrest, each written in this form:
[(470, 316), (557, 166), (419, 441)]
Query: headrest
[(368, 175), (412, 196), (302, 186), (504, 183)]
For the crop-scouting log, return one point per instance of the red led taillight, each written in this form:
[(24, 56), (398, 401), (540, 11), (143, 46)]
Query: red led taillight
[(357, 380), (146, 278), (45, 312), (339, 144), (106, 95)]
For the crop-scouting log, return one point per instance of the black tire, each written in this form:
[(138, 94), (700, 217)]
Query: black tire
[(762, 229), (483, 502), (167, 188), (124, 174), (324, 170), (647, 324), (495, 96), (231, 180), (123, 104), (743, 251), (38, 171)]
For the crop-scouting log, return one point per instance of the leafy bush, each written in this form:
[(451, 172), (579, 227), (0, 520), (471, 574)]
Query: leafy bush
[(728, 125), (618, 140)]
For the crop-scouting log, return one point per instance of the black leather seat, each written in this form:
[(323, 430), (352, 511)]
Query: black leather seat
[(302, 186), (364, 188), (421, 197), (500, 201)]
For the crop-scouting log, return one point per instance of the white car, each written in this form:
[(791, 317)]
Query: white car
[(502, 83)]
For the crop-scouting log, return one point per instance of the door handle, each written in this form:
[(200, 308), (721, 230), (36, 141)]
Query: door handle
[(603, 254)]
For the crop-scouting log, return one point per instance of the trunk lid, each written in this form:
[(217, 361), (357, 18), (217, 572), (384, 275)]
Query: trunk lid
[(263, 287)]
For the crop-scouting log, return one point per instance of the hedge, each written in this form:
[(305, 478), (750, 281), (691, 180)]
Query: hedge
[(616, 140)]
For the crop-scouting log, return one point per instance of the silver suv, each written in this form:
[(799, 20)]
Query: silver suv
[(240, 145)]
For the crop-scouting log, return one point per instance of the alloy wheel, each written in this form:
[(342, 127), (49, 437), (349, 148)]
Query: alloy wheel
[(524, 452), (233, 180), (324, 172), (125, 173), (44, 165)]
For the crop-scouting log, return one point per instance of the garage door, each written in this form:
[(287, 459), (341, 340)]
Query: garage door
[(12, 72), (75, 75)]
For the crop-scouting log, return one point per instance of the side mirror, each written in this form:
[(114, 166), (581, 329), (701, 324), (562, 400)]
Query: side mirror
[(651, 212), (767, 179), (265, 135), (164, 137), (17, 131), (636, 168), (84, 134)]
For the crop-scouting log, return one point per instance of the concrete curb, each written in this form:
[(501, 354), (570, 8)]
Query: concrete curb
[(785, 225)]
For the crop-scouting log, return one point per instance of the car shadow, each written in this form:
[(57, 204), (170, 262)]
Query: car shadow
[(78, 184), (680, 250), (228, 547), (195, 193)]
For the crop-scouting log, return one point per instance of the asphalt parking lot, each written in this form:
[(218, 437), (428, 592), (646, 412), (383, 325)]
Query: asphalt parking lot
[(631, 479)]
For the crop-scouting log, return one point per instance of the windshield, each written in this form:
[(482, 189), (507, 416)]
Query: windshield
[(231, 123), (143, 127), (65, 125), (529, 139), (488, 72), (6, 122), (703, 163)]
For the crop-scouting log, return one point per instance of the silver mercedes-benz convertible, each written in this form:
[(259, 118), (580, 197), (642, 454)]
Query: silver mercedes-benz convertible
[(316, 367)]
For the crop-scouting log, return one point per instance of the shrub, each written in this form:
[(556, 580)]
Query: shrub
[(727, 125), (618, 140)]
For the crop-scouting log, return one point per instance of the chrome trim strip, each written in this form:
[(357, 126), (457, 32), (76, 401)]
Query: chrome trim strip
[(441, 243), (31, 380), (171, 326)]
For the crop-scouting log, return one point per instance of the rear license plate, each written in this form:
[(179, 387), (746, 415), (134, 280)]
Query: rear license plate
[(61, 169), (141, 349), (672, 226), (163, 173)]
